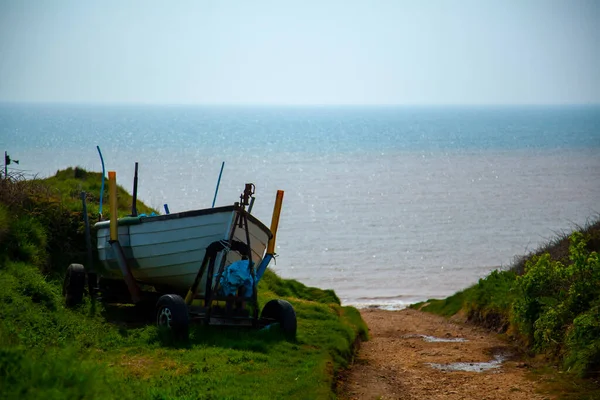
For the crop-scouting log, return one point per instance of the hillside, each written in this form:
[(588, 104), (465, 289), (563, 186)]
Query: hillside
[(547, 303), (98, 351)]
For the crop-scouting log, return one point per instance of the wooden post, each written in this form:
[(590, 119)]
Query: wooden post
[(134, 212), (275, 221), (112, 192)]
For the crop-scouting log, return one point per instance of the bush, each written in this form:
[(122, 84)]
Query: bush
[(557, 308), (22, 238), (41, 220), (551, 304), (583, 344), (541, 287)]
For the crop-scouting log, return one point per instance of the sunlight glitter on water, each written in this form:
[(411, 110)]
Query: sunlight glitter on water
[(404, 216)]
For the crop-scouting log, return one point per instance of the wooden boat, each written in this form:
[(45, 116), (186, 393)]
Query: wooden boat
[(190, 259), (166, 251)]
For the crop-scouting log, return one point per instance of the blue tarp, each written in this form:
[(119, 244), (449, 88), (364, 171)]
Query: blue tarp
[(235, 276)]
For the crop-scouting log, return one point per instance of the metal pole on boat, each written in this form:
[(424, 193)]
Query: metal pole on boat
[(102, 185), (112, 193), (88, 236), (218, 183), (251, 204), (89, 266), (134, 201)]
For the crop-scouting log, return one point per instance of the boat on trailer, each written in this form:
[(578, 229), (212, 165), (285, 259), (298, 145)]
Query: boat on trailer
[(165, 251), (187, 258)]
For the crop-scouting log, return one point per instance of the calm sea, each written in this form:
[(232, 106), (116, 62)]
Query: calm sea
[(386, 205)]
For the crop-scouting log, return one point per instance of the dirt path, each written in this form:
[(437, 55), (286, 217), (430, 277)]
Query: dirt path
[(393, 364)]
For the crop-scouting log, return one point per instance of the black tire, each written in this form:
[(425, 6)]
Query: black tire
[(282, 312), (74, 285), (172, 313)]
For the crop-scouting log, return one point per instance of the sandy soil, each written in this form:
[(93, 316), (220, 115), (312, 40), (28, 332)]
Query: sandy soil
[(393, 364)]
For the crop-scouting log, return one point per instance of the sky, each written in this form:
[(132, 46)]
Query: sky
[(301, 52)]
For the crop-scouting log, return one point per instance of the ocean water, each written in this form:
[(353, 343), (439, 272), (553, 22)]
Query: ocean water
[(385, 205)]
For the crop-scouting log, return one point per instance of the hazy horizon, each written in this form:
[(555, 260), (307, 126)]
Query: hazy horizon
[(301, 105), (381, 53)]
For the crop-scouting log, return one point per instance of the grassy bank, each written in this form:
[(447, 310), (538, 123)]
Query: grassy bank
[(99, 351), (548, 302)]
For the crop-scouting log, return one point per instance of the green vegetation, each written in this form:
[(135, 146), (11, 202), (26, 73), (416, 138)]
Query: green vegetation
[(98, 351), (42, 219), (445, 307), (549, 302), (557, 309)]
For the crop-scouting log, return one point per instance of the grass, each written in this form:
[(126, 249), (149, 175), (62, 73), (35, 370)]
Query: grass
[(563, 386), (489, 302), (486, 303), (101, 351), (67, 185), (558, 246), (548, 303), (445, 307), (43, 219), (47, 350)]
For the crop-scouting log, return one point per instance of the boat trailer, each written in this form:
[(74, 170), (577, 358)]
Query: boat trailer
[(173, 311)]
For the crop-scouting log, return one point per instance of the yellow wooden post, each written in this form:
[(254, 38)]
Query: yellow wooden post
[(275, 221), (112, 192)]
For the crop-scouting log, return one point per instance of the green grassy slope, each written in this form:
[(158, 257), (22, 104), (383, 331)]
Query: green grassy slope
[(548, 302), (42, 219), (99, 351)]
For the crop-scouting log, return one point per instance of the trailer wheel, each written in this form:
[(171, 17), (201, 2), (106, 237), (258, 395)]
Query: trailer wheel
[(282, 312), (74, 285), (172, 313)]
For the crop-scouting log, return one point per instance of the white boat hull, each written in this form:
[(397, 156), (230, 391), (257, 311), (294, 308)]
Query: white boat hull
[(167, 251)]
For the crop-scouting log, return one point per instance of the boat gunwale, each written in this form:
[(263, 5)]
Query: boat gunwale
[(196, 213)]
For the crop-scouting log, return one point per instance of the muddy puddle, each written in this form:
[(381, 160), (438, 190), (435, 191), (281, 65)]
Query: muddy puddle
[(472, 366), (428, 338)]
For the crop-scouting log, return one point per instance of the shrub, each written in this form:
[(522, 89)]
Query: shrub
[(41, 221), (557, 307), (22, 238), (549, 300), (583, 344), (541, 286)]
